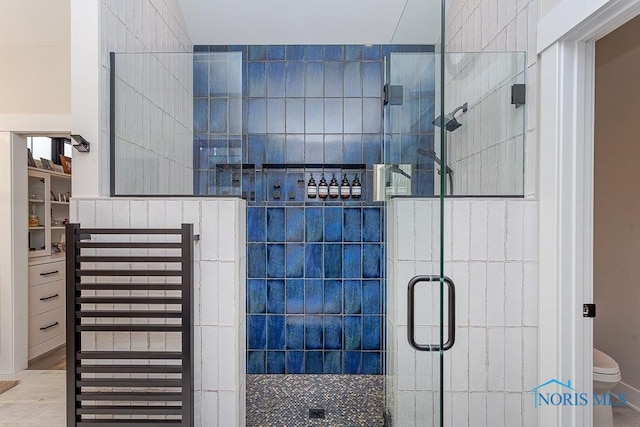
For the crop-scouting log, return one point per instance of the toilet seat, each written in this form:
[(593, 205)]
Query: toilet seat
[(605, 369)]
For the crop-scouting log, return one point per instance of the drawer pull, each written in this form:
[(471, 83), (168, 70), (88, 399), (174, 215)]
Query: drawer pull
[(50, 273), (44, 328), (49, 297)]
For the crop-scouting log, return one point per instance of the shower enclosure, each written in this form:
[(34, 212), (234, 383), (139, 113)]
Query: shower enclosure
[(424, 282)]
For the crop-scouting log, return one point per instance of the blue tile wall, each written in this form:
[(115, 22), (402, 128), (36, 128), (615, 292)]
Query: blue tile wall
[(315, 286)]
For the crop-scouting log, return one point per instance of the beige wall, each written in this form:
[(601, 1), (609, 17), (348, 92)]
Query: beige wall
[(617, 202), (35, 51)]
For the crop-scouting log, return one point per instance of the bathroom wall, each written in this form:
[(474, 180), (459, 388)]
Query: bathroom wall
[(102, 26), (490, 253), (616, 209), (219, 293), (315, 268)]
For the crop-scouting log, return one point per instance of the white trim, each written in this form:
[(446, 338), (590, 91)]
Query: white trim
[(566, 90), (46, 124)]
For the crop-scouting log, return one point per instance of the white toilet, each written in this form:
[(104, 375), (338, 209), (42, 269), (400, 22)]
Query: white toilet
[(606, 375)]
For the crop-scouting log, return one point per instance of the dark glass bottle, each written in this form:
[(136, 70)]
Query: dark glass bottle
[(345, 188), (356, 188), (334, 189), (323, 188), (312, 188)]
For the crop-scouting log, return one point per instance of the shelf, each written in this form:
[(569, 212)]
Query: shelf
[(40, 227), (35, 201), (52, 173), (53, 202), (345, 166), (61, 227)]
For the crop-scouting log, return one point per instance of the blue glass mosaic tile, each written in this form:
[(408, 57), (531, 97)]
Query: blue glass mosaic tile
[(372, 79), (275, 260), (353, 53), (295, 362), (332, 297), (257, 332), (275, 148), (372, 338), (294, 148), (352, 79), (275, 333), (313, 332), (352, 261), (275, 116), (371, 261), (257, 145), (256, 363), (276, 83), (295, 296), (332, 223), (333, 115), (332, 332), (371, 149), (334, 53), (218, 78), (295, 52), (257, 79), (333, 149), (353, 115), (313, 362), (257, 53), (314, 79), (352, 225), (275, 296), (200, 79), (313, 52), (371, 297), (351, 362), (275, 362), (371, 363), (295, 224), (275, 53), (256, 260), (295, 115), (257, 116), (314, 115), (333, 77), (295, 332), (256, 296), (314, 149), (313, 224), (372, 224), (371, 112), (352, 149), (275, 224), (332, 362), (295, 79), (313, 261), (295, 260), (352, 297), (352, 332), (201, 115), (370, 53), (332, 261), (256, 224), (313, 293)]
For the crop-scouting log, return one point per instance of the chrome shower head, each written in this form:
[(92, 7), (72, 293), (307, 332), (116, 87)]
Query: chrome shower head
[(451, 123)]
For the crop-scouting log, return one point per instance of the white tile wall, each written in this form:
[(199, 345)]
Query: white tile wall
[(493, 363), (154, 116), (219, 281)]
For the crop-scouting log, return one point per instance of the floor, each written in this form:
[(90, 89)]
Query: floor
[(290, 400), (39, 400), (625, 417), (55, 359)]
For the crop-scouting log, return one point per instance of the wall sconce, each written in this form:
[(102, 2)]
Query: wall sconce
[(82, 145)]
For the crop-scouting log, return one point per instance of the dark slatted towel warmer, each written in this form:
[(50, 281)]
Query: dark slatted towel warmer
[(134, 287)]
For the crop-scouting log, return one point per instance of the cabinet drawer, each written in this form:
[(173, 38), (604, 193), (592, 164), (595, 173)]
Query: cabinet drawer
[(46, 297), (45, 326), (45, 273)]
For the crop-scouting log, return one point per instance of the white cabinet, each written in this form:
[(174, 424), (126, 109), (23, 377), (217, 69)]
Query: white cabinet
[(48, 199)]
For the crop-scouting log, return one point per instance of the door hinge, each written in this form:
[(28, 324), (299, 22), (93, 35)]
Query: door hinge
[(588, 310)]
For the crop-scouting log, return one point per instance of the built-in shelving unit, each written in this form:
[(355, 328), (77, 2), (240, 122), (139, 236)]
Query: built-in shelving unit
[(48, 201)]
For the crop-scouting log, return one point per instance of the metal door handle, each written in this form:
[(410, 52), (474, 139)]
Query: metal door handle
[(451, 290), (44, 328), (49, 297), (49, 273)]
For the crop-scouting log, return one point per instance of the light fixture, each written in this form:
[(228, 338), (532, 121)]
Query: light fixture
[(82, 145)]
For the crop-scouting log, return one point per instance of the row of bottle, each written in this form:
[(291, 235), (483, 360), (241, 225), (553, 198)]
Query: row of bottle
[(332, 190)]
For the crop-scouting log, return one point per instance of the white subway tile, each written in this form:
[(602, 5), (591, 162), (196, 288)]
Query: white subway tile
[(496, 231), (495, 410), (210, 357), (530, 231), (459, 355), (209, 231), (515, 226), (478, 294), (513, 294), (513, 359), (478, 231), (530, 294), (86, 213), (209, 409), (423, 225), (228, 363), (174, 213), (227, 286), (157, 213), (209, 299), (495, 294), (496, 362), (460, 230), (228, 409), (405, 224), (477, 359), (513, 409), (227, 226), (478, 410), (530, 358), (460, 415)]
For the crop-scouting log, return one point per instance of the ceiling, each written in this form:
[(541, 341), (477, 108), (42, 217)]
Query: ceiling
[(311, 21)]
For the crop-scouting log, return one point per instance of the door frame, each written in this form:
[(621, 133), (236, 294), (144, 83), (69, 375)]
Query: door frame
[(565, 190)]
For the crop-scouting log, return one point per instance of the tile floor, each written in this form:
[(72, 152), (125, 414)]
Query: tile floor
[(625, 417), (39, 400)]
